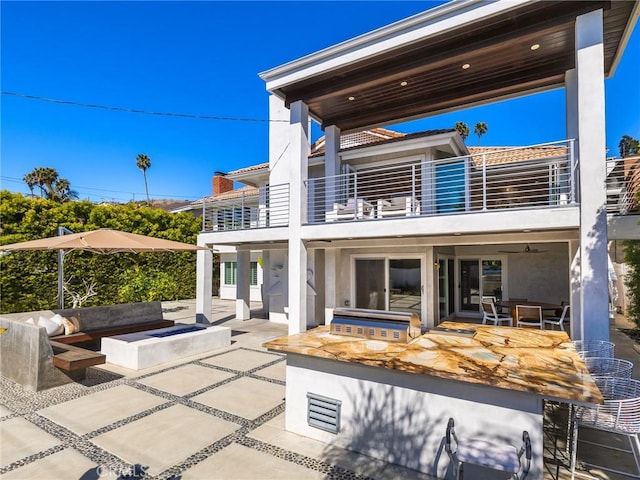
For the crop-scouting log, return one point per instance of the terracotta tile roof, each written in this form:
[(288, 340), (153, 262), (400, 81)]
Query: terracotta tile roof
[(378, 136), (246, 191), (501, 155), (252, 168)]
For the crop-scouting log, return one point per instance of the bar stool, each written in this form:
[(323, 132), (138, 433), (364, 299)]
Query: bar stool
[(485, 453)]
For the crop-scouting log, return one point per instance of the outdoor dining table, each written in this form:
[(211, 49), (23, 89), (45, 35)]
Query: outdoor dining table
[(511, 305)]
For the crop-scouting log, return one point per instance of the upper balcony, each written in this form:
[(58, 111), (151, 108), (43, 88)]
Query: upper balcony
[(507, 179)]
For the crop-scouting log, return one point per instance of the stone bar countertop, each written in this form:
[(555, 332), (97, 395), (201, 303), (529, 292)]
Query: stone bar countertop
[(537, 361)]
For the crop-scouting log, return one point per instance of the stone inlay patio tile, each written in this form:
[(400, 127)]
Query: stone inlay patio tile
[(60, 466), (396, 472), (277, 371), (164, 438), (183, 380), (273, 433), (240, 462), (241, 359), (20, 438), (4, 411), (88, 413), (246, 397)]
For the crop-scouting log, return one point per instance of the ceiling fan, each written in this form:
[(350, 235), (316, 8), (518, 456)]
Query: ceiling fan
[(527, 249)]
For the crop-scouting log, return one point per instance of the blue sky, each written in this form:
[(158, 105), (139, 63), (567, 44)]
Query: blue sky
[(203, 58)]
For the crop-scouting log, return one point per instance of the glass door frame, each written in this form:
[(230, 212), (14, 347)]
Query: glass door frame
[(386, 257), (458, 281), (453, 293)]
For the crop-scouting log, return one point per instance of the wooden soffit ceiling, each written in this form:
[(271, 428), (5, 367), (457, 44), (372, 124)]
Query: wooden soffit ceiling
[(427, 77)]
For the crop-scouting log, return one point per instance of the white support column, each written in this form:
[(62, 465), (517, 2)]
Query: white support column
[(298, 173), (266, 281), (243, 282), (594, 318), (330, 282), (204, 284), (574, 282), (331, 165)]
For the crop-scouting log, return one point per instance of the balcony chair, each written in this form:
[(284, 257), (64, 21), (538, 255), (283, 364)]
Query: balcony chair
[(489, 454), (558, 321), (400, 206), (489, 314), (528, 316), (355, 208)]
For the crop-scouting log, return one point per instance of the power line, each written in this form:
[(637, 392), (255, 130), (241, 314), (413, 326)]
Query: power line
[(134, 110), (80, 189)]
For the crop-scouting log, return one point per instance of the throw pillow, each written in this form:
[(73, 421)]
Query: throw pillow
[(30, 320), (57, 318), (50, 326), (69, 326)]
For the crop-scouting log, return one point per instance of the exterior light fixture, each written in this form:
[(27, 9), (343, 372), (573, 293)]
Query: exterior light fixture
[(535, 46), (403, 84), (465, 66), (351, 99)]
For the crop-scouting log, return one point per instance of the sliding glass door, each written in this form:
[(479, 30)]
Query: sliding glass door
[(479, 277), (389, 284)]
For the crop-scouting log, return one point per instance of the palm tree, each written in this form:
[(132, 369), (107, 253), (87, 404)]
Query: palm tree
[(628, 146), (31, 181), (480, 129), (143, 162), (49, 176), (38, 176), (63, 191), (463, 129)]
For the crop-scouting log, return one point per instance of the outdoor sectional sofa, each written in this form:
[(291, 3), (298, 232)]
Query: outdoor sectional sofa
[(37, 361)]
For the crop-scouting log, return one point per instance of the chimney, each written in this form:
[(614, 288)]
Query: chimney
[(221, 183)]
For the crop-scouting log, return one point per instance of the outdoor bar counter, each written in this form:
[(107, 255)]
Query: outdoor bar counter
[(395, 398)]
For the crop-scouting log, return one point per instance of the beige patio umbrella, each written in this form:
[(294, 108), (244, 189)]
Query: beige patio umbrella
[(104, 240)]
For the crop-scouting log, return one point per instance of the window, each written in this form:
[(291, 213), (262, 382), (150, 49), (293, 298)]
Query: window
[(231, 273)]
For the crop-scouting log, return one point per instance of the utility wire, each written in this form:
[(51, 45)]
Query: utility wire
[(79, 188), (133, 110)]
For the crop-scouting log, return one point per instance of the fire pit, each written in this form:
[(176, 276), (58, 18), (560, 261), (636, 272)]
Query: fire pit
[(154, 347)]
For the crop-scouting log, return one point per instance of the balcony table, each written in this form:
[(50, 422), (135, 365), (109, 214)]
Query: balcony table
[(395, 399)]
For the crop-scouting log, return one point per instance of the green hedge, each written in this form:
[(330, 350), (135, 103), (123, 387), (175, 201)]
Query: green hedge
[(29, 279)]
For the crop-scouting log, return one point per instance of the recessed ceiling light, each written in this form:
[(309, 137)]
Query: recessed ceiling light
[(403, 84), (465, 66), (535, 46), (351, 99)]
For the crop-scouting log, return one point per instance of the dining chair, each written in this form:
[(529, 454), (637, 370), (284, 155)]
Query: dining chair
[(528, 316), (496, 455), (558, 321), (489, 314)]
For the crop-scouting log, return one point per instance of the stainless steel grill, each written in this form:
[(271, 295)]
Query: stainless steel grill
[(375, 324)]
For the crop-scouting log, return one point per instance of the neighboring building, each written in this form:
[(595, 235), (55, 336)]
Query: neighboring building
[(420, 222)]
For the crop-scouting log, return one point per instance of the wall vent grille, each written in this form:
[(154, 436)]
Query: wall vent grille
[(323, 412)]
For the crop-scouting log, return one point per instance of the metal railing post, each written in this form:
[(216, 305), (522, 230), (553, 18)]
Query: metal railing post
[(61, 254), (204, 217), (484, 181), (413, 189), (572, 180)]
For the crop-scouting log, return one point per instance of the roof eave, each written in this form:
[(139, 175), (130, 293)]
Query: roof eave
[(431, 22)]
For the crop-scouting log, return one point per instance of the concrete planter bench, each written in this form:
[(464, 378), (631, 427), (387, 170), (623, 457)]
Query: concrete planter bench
[(36, 361)]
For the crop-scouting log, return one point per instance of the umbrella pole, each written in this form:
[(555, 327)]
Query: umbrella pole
[(61, 231)]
